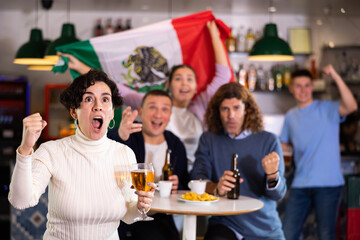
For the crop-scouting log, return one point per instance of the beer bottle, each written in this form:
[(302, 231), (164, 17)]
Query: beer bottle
[(167, 169), (235, 192)]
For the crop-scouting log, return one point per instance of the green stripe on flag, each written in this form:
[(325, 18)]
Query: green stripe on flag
[(83, 51), (145, 89)]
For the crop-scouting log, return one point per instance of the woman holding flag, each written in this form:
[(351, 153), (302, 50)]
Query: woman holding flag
[(187, 112)]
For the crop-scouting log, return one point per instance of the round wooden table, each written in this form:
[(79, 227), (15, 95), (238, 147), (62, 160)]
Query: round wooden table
[(224, 206)]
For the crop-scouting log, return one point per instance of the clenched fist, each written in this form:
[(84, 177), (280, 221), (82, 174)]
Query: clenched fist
[(270, 163), (32, 128)]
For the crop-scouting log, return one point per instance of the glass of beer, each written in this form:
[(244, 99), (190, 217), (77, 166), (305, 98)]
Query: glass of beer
[(122, 174), (141, 174)]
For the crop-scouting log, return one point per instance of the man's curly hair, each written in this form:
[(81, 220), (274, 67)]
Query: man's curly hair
[(72, 96), (253, 120)]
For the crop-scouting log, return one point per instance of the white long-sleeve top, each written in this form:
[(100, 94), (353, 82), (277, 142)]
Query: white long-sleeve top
[(86, 201)]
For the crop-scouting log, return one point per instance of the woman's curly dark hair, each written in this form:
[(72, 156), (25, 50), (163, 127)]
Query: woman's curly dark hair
[(72, 96), (253, 120)]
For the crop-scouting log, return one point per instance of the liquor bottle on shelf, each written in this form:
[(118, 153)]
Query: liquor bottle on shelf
[(119, 27), (344, 67), (270, 81), (261, 80), (128, 24), (242, 78), (167, 169), (231, 43), (109, 27), (250, 40), (278, 78), (234, 193), (354, 73), (252, 78), (313, 69), (240, 41), (258, 35), (287, 77), (98, 28), (235, 71)]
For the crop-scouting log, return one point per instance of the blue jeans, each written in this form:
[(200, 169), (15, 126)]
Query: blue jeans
[(325, 200)]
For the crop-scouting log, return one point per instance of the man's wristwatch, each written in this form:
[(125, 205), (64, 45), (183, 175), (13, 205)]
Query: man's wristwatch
[(273, 181)]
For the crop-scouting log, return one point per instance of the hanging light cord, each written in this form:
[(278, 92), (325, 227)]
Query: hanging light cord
[(68, 11), (37, 14), (47, 23), (271, 10), (170, 9)]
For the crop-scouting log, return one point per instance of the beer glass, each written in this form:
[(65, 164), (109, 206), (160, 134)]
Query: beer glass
[(141, 174), (122, 174)]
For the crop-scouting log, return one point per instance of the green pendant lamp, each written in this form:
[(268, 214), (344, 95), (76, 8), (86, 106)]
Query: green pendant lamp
[(32, 52), (67, 36), (270, 47), (47, 66)]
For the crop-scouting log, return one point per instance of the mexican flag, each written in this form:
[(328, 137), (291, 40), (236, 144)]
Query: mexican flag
[(142, 58)]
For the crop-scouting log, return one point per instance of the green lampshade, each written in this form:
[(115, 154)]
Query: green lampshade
[(32, 52), (270, 47), (67, 36)]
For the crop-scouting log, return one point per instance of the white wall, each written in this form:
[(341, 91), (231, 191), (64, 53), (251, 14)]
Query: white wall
[(16, 25)]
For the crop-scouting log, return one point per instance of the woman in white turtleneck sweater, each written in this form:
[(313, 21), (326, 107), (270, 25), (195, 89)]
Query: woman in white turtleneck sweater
[(85, 199)]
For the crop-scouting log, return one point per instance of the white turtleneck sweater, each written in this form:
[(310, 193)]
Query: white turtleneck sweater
[(85, 199)]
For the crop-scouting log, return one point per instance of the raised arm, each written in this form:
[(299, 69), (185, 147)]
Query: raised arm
[(274, 169), (222, 74), (25, 188), (32, 128), (219, 50), (348, 103)]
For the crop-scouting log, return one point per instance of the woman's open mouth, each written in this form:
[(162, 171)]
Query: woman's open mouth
[(97, 122)]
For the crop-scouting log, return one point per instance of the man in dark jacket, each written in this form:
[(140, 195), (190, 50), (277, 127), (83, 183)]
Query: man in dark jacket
[(149, 141)]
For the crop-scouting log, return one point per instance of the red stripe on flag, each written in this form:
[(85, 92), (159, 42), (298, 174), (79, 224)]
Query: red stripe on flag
[(196, 44)]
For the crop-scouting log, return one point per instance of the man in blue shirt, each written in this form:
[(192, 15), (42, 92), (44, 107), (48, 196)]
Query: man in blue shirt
[(235, 126), (312, 128)]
